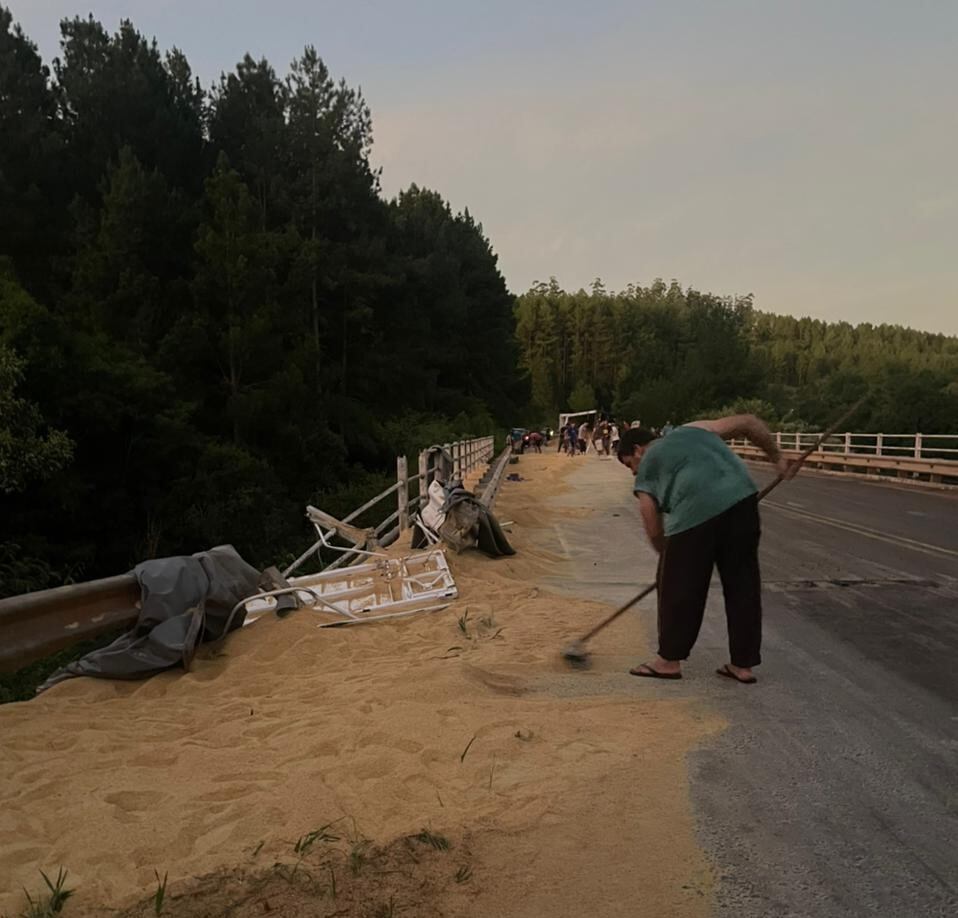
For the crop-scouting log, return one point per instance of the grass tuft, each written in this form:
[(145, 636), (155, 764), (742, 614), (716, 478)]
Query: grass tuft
[(305, 842), (464, 874), (358, 855), (160, 895), (49, 903), (434, 840)]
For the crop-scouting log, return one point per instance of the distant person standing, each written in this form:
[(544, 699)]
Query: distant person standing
[(614, 436), (605, 437), (572, 439), (585, 437), (563, 438), (667, 429)]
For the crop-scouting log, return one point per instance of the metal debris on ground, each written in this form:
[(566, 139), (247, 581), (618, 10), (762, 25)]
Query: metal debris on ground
[(378, 589)]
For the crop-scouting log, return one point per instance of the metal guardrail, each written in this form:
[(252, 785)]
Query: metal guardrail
[(35, 625), (912, 457), (487, 496)]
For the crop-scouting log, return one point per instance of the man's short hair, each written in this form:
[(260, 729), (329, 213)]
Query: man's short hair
[(633, 437)]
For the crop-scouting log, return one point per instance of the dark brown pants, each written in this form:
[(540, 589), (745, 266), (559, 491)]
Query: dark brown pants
[(730, 542)]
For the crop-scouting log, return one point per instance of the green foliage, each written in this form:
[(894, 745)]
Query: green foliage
[(663, 353), (27, 451), (582, 397), (209, 314)]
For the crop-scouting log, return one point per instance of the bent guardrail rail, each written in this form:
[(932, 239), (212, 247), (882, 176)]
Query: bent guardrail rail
[(34, 625)]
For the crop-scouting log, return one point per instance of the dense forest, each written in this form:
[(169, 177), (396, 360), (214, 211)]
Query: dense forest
[(209, 314), (663, 353)]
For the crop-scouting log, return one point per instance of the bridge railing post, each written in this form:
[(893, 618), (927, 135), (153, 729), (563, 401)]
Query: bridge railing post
[(918, 446), (402, 477), (423, 479), (878, 444), (848, 443)]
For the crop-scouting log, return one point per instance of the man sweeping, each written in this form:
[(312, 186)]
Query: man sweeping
[(699, 507)]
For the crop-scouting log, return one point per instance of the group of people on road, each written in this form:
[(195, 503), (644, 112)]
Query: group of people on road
[(602, 437), (520, 439)]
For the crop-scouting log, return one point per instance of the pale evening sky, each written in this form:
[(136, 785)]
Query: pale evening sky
[(804, 151)]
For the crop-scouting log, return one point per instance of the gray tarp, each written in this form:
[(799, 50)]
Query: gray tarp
[(467, 523), (184, 601)]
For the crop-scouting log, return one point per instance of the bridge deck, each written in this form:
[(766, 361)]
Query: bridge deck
[(833, 791)]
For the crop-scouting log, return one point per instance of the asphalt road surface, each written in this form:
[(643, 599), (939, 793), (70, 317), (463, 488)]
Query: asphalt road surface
[(834, 789)]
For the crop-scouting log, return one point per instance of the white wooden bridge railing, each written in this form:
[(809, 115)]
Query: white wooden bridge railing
[(917, 457)]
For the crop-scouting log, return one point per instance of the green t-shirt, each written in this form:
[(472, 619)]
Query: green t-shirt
[(693, 476)]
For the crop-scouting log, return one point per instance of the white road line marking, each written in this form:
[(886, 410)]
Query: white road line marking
[(858, 529)]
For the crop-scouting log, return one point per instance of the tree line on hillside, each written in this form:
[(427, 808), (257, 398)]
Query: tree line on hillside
[(209, 314), (662, 353)]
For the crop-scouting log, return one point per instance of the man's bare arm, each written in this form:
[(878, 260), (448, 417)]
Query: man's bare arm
[(755, 431), (652, 520)]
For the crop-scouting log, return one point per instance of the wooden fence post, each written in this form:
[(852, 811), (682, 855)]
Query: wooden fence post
[(403, 493), (423, 479)]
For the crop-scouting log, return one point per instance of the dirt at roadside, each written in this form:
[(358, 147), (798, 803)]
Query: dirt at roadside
[(463, 724)]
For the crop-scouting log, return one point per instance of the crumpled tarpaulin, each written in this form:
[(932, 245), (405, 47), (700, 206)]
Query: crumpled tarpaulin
[(462, 521), (185, 601)]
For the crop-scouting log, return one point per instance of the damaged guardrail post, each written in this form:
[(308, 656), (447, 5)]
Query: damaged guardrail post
[(423, 478), (402, 491)]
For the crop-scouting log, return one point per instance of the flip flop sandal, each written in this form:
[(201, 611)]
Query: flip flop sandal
[(725, 671), (651, 673)]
